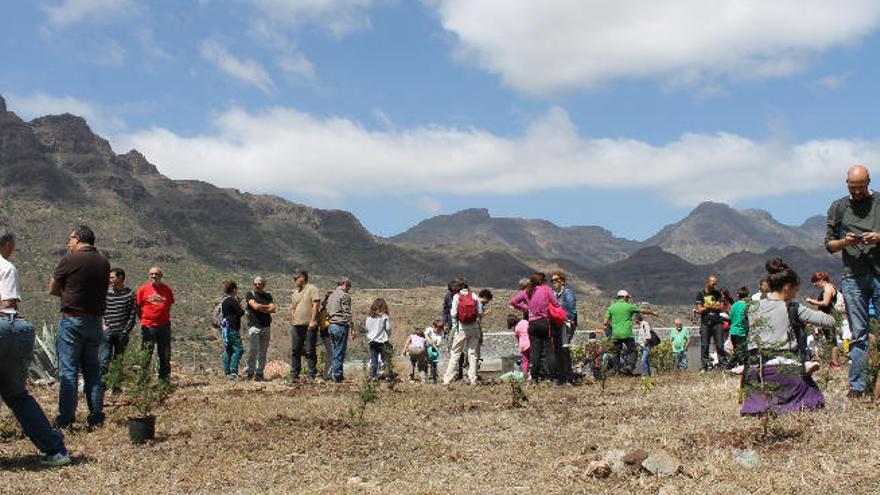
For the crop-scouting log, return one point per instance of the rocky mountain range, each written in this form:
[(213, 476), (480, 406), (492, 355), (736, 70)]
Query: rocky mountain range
[(55, 172)]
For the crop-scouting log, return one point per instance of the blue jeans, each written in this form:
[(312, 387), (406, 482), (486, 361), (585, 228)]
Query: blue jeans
[(339, 340), (112, 346), (377, 349), (680, 360), (857, 291), (160, 337), (646, 360), (79, 339), (16, 352)]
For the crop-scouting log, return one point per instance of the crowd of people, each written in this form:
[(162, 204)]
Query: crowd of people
[(765, 337)]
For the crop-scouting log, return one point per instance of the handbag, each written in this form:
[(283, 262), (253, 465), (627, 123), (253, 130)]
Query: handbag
[(556, 315)]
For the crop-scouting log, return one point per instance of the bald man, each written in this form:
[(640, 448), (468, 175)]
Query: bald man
[(154, 300), (854, 229)]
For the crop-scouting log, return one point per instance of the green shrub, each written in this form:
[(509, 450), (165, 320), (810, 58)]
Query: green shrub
[(661, 356), (133, 373)]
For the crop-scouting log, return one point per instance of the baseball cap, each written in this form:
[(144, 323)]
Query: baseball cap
[(622, 293)]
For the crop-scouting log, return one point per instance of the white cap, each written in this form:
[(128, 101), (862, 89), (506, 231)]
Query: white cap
[(622, 293)]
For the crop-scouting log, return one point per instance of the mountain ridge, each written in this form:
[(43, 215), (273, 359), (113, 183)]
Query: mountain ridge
[(63, 172)]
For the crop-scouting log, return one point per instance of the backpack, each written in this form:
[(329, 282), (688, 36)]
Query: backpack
[(839, 303), (467, 308), (654, 340), (797, 332), (217, 314)]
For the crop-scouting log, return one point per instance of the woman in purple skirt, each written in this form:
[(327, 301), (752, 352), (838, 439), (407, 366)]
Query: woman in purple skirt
[(779, 378)]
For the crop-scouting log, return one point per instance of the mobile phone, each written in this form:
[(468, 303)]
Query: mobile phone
[(857, 236)]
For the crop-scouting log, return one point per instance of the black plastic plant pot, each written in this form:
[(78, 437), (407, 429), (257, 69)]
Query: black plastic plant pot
[(141, 429)]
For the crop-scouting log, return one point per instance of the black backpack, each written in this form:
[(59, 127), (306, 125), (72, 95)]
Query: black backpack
[(797, 332)]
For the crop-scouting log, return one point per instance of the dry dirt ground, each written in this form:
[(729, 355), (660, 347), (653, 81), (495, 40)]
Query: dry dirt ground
[(215, 436)]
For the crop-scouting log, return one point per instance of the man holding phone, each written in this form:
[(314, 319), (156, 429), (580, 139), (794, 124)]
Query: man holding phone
[(853, 228)]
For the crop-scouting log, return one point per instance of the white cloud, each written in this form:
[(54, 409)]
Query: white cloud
[(147, 41), (296, 64), (563, 45), (340, 17), (247, 71), (101, 119), (833, 82), (429, 205), (109, 53), (280, 149), (70, 12)]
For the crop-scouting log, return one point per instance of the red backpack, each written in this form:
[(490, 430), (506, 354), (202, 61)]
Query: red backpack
[(467, 308)]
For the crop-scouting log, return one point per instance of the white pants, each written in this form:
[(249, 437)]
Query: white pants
[(466, 336)]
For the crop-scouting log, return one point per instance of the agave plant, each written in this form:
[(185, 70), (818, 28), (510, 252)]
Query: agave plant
[(45, 363)]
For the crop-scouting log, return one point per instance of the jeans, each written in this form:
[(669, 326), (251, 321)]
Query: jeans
[(304, 342), (376, 349), (16, 353), (566, 335), (160, 338), (857, 291), (715, 332), (113, 344), (79, 339), (232, 351), (339, 341), (327, 344), (258, 346), (646, 360), (680, 360)]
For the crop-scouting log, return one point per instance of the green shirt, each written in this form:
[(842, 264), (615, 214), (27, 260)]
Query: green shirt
[(739, 322), (679, 339), (620, 314)]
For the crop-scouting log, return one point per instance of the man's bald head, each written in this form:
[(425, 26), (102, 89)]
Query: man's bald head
[(857, 180), (858, 173)]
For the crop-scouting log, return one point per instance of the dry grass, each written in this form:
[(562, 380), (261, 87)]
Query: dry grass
[(245, 437)]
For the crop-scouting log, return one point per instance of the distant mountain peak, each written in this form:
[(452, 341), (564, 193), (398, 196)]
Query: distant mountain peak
[(472, 214), (68, 133), (711, 207), (2, 104)]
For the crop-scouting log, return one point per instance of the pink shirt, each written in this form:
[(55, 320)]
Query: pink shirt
[(536, 305), (521, 333)]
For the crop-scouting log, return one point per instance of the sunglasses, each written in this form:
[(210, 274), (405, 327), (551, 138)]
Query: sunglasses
[(556, 280)]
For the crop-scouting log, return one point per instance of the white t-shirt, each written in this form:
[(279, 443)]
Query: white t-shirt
[(9, 286), (378, 328), (433, 337)]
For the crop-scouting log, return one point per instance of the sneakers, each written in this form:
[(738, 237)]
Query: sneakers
[(232, 377), (259, 377), (56, 460), (855, 394)]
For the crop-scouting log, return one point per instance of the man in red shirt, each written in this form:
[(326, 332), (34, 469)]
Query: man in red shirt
[(154, 300)]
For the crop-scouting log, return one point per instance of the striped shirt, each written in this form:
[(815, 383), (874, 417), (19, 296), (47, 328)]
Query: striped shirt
[(120, 313)]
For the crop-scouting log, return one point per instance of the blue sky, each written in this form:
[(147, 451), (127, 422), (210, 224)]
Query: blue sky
[(624, 115)]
